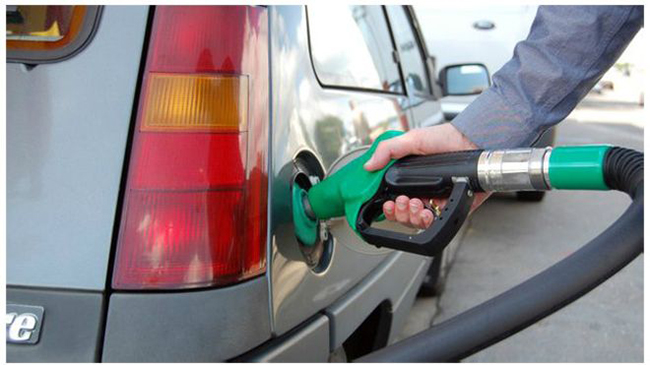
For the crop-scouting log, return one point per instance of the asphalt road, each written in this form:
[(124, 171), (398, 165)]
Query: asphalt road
[(508, 241)]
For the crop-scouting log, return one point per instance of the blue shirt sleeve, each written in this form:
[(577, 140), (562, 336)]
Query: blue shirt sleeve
[(567, 51)]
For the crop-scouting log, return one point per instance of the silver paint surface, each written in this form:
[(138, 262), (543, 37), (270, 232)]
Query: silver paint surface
[(305, 117), (67, 126)]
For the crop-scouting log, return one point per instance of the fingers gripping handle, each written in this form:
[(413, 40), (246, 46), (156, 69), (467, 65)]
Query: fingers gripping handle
[(431, 241), (451, 175)]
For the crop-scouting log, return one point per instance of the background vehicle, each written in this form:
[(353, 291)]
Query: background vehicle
[(462, 34), (151, 153), (486, 34)]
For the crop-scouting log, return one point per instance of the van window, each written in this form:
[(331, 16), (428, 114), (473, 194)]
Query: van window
[(351, 47), (410, 52)]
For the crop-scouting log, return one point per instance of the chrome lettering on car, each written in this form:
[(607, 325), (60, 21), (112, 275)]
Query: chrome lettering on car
[(23, 323)]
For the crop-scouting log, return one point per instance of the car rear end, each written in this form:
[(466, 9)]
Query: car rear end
[(141, 226), (136, 183)]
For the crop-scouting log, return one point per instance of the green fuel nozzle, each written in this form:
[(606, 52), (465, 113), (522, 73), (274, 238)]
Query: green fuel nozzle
[(340, 194), (359, 195)]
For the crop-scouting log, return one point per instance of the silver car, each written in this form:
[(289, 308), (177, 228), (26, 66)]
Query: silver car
[(151, 153)]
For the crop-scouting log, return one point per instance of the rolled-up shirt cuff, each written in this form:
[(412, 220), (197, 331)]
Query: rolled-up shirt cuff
[(490, 122)]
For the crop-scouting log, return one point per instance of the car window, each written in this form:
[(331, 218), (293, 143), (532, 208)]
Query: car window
[(410, 53), (48, 33), (351, 47)]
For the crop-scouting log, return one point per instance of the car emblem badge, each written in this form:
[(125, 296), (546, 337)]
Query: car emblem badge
[(24, 323)]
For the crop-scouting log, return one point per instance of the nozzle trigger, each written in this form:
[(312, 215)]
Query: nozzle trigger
[(431, 241)]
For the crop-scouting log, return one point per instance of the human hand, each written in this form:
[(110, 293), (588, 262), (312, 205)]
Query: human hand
[(426, 141)]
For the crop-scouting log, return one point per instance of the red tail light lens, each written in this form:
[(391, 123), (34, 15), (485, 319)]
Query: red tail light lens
[(195, 204)]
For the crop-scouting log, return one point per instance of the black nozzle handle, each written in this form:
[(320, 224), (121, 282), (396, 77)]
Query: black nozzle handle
[(452, 175), (433, 175), (431, 241)]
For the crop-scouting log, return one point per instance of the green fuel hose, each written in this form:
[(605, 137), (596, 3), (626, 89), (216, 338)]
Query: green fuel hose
[(500, 317), (359, 195)]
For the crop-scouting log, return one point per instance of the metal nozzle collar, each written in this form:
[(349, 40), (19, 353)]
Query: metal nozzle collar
[(514, 169)]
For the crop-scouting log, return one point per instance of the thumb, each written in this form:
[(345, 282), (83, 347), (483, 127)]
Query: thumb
[(393, 148)]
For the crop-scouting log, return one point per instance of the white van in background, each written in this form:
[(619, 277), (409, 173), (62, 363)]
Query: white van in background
[(469, 34)]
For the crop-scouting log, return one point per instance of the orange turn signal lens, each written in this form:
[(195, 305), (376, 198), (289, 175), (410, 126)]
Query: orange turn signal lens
[(182, 102)]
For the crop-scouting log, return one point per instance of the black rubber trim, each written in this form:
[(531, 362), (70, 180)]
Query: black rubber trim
[(543, 294), (71, 325)]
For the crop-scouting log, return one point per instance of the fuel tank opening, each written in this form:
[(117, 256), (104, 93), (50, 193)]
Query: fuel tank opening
[(314, 241)]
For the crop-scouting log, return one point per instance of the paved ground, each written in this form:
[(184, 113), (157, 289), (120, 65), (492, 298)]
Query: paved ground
[(508, 241)]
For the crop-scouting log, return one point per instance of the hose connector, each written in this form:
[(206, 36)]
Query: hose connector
[(514, 169)]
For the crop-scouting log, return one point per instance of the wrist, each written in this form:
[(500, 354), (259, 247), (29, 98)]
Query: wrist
[(459, 139)]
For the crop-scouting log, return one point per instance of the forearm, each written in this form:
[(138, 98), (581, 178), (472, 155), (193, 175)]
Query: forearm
[(568, 50)]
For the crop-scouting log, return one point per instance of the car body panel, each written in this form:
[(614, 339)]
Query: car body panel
[(426, 113), (399, 270), (65, 152), (303, 344), (196, 326), (299, 104), (455, 104), (65, 165)]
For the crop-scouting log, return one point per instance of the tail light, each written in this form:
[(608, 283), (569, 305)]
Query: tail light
[(195, 203)]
